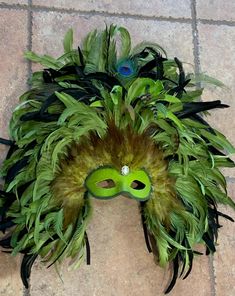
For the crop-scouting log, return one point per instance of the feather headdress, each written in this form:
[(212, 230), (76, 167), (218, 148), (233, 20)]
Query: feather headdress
[(101, 122)]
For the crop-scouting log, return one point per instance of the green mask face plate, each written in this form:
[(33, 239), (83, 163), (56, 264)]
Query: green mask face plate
[(107, 182)]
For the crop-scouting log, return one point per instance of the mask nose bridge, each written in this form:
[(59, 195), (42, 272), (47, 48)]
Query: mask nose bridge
[(125, 184), (122, 184)]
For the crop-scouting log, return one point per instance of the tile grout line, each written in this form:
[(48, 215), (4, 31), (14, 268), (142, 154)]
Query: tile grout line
[(93, 12), (212, 274), (26, 292), (196, 50), (197, 64), (13, 6), (217, 22), (40, 8), (29, 41)]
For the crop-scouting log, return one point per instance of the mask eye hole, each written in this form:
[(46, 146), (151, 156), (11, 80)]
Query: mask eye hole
[(108, 183), (137, 185)]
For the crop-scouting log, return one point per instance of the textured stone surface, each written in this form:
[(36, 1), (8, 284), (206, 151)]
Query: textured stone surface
[(120, 263), (49, 30), (10, 282), (224, 258), (166, 8), (12, 83), (218, 60), (13, 74), (216, 9)]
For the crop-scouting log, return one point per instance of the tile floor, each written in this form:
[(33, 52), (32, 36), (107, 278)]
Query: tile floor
[(197, 31)]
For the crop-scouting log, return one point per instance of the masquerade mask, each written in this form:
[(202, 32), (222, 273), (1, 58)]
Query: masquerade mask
[(101, 121), (134, 184)]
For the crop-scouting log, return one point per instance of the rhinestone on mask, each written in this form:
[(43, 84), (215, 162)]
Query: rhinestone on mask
[(125, 170)]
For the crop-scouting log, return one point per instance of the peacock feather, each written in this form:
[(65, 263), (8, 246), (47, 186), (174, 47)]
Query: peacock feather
[(106, 107)]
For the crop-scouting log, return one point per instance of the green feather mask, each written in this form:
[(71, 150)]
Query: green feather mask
[(105, 120)]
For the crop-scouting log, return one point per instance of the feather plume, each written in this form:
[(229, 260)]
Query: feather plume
[(105, 104)]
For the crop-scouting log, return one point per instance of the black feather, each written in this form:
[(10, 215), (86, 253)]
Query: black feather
[(190, 255), (225, 216), (156, 62), (37, 116), (179, 89), (183, 259), (48, 102), (12, 149), (81, 57), (26, 265), (6, 142), (14, 170), (88, 250), (181, 71), (108, 80), (6, 242), (82, 96), (9, 198), (184, 264), (47, 77), (145, 52), (197, 253), (145, 230), (151, 75), (140, 55), (4, 226), (175, 274), (190, 109), (209, 243)]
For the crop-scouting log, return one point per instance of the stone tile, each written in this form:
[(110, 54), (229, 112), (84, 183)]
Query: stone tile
[(10, 282), (120, 263), (13, 77), (50, 28), (166, 8), (12, 83), (224, 258), (198, 282), (216, 9), (218, 60)]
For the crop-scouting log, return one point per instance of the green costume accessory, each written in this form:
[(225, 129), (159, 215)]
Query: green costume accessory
[(134, 184), (108, 119)]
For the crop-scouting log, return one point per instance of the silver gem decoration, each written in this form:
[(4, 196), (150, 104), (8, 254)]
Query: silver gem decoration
[(125, 170)]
